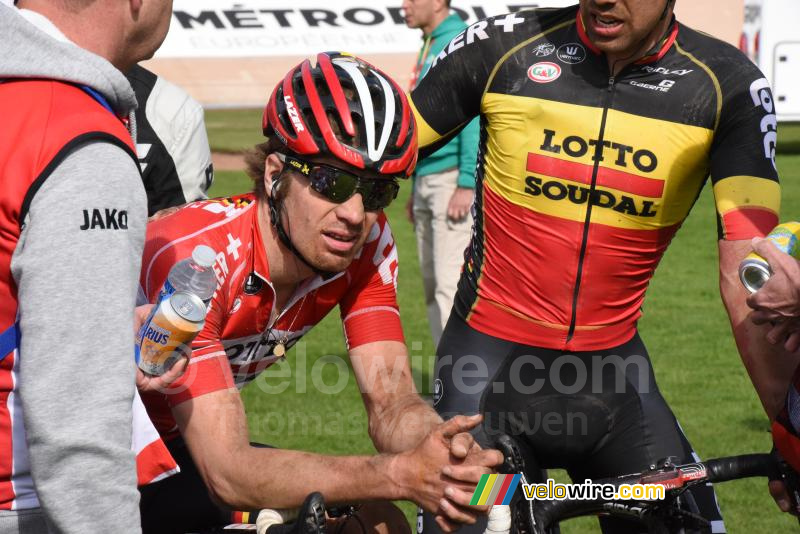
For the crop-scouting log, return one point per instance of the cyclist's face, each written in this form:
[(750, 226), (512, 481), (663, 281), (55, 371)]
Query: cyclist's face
[(327, 234), (624, 29)]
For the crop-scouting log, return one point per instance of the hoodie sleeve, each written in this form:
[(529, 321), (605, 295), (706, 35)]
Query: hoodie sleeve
[(76, 267)]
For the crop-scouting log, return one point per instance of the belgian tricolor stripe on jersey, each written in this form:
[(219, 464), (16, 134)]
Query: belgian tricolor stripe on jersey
[(584, 178)]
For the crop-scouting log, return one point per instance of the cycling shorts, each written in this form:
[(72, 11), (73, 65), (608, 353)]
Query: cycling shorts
[(596, 414)]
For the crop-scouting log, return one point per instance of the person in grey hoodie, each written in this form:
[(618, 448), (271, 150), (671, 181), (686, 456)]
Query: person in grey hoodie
[(72, 221)]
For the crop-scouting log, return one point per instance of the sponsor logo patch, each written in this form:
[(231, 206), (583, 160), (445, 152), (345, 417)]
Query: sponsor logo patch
[(544, 72), (104, 219), (572, 53), (665, 71), (544, 49), (663, 86), (293, 115), (438, 391), (761, 95)]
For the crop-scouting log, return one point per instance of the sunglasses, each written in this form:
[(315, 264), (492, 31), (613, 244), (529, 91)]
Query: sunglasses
[(337, 185)]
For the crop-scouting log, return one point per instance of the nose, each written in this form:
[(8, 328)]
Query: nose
[(351, 211)]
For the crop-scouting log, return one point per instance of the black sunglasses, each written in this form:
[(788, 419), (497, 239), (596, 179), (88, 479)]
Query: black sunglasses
[(337, 185)]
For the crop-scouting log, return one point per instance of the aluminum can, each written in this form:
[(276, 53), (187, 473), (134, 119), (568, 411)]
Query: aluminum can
[(166, 334), (754, 270)]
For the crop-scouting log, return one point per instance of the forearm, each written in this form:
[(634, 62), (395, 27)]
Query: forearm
[(214, 427), (770, 367), (402, 424), (277, 478), (398, 417)]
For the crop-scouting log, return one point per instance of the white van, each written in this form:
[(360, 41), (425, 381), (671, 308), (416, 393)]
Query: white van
[(770, 38)]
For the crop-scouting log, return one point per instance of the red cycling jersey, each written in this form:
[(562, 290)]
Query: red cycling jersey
[(237, 341)]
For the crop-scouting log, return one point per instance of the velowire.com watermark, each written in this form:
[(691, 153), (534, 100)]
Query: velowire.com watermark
[(499, 489)]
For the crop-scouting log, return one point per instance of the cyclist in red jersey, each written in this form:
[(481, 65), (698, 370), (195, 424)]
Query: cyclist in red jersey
[(312, 236), (600, 124)]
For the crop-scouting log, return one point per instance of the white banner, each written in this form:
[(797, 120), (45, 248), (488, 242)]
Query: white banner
[(252, 28)]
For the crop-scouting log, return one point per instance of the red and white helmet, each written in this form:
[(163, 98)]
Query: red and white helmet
[(308, 99)]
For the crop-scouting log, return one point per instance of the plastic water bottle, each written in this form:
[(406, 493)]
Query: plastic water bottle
[(193, 275)]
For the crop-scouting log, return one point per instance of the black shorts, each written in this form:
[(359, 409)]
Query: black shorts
[(596, 414)]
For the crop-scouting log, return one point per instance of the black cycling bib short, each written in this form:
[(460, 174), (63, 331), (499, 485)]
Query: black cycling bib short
[(596, 414)]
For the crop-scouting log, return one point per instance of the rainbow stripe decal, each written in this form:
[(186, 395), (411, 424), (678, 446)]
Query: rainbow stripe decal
[(495, 489)]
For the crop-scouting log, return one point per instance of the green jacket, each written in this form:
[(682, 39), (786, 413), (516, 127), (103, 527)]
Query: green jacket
[(462, 150)]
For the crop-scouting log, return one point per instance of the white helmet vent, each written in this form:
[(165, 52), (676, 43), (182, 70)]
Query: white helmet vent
[(352, 67)]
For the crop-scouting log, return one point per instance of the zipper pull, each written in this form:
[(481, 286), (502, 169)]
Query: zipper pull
[(611, 81)]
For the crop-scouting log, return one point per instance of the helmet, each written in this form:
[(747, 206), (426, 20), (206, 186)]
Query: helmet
[(311, 113)]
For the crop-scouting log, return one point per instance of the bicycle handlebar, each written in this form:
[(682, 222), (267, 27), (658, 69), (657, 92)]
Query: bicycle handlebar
[(674, 478), (744, 466)]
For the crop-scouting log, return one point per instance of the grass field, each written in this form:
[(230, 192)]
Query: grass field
[(684, 326)]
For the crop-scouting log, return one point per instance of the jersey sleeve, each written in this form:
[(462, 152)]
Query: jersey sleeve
[(742, 160), (449, 96), (369, 310)]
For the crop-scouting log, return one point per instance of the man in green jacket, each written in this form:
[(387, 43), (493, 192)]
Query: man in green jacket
[(444, 184)]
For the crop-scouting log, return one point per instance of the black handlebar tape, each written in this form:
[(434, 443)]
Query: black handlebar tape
[(734, 467)]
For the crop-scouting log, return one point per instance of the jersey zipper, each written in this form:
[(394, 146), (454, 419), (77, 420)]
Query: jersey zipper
[(592, 187)]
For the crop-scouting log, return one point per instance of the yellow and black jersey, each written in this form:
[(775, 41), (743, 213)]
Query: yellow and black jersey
[(583, 178)]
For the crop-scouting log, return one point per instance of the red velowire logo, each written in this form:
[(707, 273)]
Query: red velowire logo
[(544, 72)]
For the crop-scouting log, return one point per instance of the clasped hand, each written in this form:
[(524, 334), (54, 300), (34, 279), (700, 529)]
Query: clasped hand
[(444, 470)]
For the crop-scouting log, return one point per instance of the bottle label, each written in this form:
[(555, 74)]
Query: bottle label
[(142, 330), (166, 291)]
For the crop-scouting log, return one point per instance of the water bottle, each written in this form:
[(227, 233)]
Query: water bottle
[(193, 275), (179, 312)]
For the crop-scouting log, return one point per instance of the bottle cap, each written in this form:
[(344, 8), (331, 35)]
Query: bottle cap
[(204, 256)]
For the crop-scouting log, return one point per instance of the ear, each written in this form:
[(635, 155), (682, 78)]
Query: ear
[(272, 168)]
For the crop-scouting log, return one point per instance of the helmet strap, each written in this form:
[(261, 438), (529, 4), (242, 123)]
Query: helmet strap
[(275, 209)]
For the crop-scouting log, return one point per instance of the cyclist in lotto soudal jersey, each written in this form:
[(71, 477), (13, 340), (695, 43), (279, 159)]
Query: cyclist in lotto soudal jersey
[(600, 124), (312, 236)]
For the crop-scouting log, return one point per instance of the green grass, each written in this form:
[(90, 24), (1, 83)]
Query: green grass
[(231, 130), (684, 326)]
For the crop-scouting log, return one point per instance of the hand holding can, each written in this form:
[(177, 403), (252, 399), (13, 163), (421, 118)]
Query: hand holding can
[(754, 271), (169, 330)]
